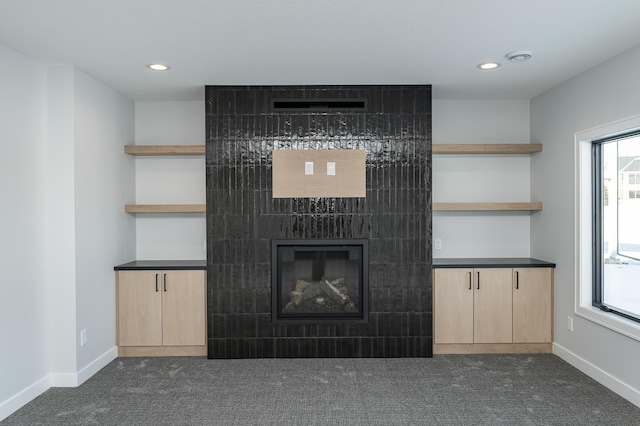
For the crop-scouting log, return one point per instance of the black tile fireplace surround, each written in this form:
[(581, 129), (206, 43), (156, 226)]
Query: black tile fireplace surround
[(393, 125)]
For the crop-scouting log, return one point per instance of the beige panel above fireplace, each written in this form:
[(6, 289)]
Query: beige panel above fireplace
[(291, 176)]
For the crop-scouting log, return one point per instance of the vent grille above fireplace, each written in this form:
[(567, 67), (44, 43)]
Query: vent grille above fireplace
[(319, 105)]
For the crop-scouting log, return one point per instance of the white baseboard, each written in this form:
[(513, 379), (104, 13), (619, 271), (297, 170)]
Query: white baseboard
[(616, 385), (63, 380), (70, 380), (23, 397), (97, 365)]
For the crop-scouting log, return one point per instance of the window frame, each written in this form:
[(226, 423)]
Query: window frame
[(597, 147), (584, 230)]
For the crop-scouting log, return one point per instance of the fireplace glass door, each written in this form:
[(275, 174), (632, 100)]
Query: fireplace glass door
[(319, 281)]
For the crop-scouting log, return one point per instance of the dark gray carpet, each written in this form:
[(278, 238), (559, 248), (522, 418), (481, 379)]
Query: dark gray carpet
[(447, 389)]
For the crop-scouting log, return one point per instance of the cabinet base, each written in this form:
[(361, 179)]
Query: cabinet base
[(131, 351), (491, 348)]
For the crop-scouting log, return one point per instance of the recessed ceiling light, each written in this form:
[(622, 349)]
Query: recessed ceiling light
[(158, 67), (489, 65), (518, 56)]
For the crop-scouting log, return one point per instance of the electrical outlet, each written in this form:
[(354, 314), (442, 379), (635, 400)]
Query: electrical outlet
[(308, 167), (437, 244), (570, 323), (83, 337), (331, 168)]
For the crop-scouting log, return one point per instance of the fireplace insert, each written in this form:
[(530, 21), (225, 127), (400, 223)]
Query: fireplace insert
[(320, 281)]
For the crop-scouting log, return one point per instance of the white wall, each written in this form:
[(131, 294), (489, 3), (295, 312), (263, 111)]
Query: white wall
[(60, 235), (607, 93), (88, 179), (476, 178), (65, 179), (104, 234), (170, 180), (24, 300)]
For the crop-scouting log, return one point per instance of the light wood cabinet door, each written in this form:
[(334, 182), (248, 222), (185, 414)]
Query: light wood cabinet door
[(453, 306), (492, 306), (139, 308), (183, 308), (532, 305)]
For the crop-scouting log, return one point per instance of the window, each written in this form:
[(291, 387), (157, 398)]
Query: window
[(586, 237), (616, 224)]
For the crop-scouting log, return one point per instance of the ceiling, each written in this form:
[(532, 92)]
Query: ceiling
[(272, 42)]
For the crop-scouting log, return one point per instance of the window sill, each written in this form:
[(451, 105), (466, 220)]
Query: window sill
[(611, 321)]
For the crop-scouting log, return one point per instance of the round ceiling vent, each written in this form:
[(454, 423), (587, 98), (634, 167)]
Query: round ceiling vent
[(518, 56)]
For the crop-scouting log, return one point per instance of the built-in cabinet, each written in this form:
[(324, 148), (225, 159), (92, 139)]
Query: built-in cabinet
[(161, 312), (492, 309), (532, 305), (473, 306)]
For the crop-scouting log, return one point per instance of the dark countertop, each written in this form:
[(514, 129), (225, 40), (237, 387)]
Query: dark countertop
[(454, 262), (142, 265), (492, 262)]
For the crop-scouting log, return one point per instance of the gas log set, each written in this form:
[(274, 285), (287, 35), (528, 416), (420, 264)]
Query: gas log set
[(320, 296)]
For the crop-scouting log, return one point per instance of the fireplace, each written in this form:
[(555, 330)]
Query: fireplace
[(320, 281)]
